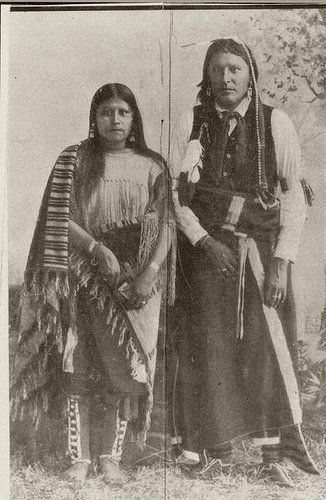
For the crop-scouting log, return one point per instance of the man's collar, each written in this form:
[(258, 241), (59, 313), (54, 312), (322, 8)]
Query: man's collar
[(241, 108)]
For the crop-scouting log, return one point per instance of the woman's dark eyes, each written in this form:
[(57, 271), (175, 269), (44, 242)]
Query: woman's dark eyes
[(107, 112)]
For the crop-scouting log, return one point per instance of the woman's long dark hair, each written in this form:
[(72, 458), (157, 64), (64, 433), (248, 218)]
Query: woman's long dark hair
[(91, 166)]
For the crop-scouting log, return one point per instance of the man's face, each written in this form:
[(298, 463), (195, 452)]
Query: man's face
[(230, 77)]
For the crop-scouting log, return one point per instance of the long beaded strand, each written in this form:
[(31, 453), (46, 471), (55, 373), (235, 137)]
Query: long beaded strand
[(259, 141)]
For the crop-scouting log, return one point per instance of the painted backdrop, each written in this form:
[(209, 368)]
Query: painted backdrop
[(58, 59)]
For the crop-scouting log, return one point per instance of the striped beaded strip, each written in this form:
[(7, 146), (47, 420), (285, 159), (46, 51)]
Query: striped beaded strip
[(74, 444), (121, 427), (120, 432)]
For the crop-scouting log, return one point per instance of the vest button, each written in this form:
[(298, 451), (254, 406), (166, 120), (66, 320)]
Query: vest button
[(225, 174), (228, 155)]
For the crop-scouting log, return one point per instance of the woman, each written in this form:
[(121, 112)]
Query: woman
[(93, 285), (240, 207)]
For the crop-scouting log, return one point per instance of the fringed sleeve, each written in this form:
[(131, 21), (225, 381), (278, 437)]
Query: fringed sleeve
[(158, 217)]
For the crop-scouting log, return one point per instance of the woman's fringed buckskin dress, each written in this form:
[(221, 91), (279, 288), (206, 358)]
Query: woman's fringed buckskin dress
[(77, 337)]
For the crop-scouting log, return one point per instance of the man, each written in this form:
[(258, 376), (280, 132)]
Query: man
[(235, 310)]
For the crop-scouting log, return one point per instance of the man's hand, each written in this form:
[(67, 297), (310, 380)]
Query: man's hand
[(220, 255), (276, 282)]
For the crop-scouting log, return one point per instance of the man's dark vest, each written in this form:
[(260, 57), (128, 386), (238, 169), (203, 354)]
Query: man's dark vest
[(236, 175)]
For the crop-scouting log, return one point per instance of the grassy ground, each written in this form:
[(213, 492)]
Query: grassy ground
[(36, 467), (164, 480)]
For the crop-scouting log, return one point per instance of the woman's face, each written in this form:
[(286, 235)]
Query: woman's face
[(230, 77), (114, 121)]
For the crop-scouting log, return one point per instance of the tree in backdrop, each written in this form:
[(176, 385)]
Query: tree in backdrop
[(292, 46)]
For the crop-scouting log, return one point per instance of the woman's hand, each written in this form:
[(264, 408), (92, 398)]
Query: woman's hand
[(141, 288), (108, 265), (220, 255), (276, 282)]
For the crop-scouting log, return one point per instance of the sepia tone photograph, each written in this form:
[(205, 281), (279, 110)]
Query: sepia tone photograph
[(166, 249)]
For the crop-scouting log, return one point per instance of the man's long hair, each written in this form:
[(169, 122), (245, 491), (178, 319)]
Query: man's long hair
[(206, 98)]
